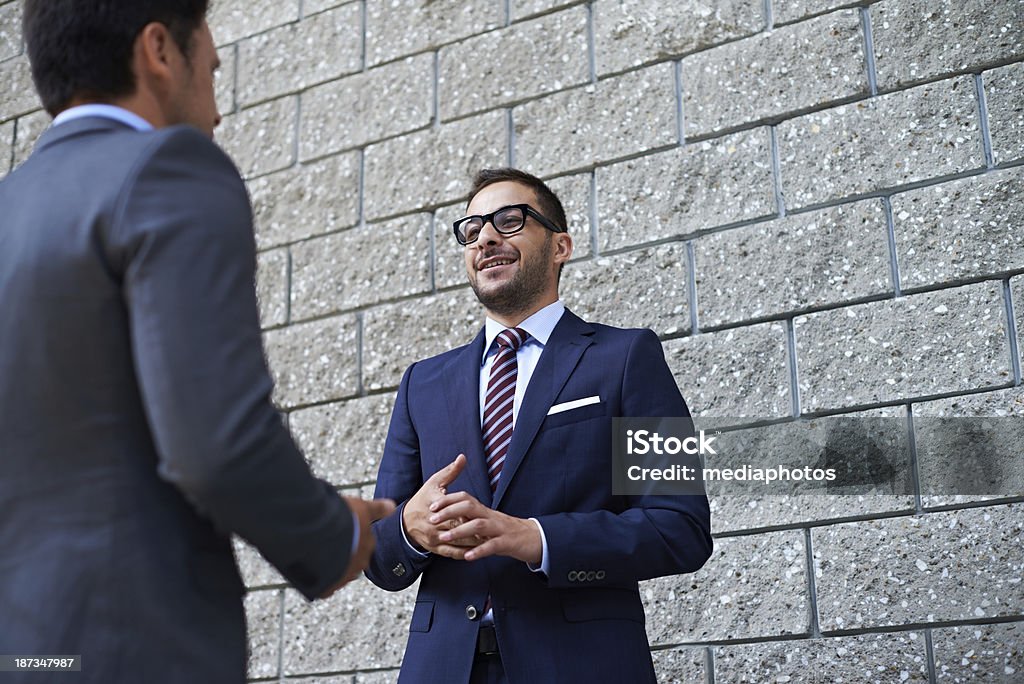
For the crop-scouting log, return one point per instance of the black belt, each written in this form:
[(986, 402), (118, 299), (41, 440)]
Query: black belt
[(486, 641)]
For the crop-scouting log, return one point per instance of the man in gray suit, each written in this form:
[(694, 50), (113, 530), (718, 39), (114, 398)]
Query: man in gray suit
[(136, 428)]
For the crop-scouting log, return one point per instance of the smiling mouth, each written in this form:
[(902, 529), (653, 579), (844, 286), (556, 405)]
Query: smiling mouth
[(492, 263)]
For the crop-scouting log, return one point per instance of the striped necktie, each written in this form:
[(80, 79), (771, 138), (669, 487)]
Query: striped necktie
[(501, 393)]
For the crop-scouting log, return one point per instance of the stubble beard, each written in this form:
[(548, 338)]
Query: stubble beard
[(526, 287)]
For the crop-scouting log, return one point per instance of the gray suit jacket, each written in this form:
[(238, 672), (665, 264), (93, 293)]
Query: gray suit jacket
[(136, 428)]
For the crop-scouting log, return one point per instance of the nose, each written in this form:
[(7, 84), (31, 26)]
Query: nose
[(489, 235)]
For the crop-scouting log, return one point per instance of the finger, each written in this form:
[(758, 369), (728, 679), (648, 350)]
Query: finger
[(490, 547), (460, 509), (451, 551), (380, 508), (479, 528), (445, 476), (448, 499)]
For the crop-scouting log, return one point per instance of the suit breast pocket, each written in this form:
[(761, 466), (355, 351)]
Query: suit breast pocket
[(575, 415)]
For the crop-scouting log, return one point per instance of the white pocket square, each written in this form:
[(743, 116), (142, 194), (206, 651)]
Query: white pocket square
[(575, 403)]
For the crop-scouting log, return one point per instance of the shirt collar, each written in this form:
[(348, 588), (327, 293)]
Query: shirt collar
[(106, 111), (539, 325)]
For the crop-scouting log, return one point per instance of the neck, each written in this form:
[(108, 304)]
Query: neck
[(136, 104), (512, 319)]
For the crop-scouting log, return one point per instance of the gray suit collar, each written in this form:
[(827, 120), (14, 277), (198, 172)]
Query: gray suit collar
[(76, 127)]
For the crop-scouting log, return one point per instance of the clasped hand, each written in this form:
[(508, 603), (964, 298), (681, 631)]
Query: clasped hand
[(458, 526)]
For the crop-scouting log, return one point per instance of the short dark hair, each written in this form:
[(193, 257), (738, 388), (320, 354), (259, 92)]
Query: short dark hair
[(83, 48), (547, 201)]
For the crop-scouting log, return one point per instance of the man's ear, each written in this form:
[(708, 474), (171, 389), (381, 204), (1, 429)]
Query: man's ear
[(563, 247), (154, 52)]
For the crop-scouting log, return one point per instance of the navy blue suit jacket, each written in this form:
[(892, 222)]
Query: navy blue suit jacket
[(584, 621)]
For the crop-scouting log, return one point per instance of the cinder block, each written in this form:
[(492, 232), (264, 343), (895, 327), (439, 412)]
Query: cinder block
[(772, 74), (10, 30), (311, 7), (962, 229), (6, 147), (919, 39), (358, 627), (894, 657), (628, 33), (230, 21), (17, 92), (955, 565), (641, 289), (1017, 295), (1004, 93), (904, 137), (382, 677), (632, 113), (963, 460), (449, 255), (375, 104), (514, 63), (313, 362), (388, 33), (788, 11), (293, 57), (272, 287), (972, 652), (945, 341), (255, 570), (683, 190), (680, 665), (365, 265), (224, 80), (306, 200), (753, 586), (343, 442), (263, 618), (801, 261), (396, 335), (29, 128), (525, 9), (261, 139), (575, 195), (737, 373), (435, 165)]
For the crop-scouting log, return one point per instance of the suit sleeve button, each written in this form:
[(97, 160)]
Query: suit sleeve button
[(600, 574), (471, 612), (572, 576), (398, 570), (591, 575)]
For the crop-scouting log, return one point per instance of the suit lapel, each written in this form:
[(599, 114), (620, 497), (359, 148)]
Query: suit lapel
[(462, 391), (566, 345)]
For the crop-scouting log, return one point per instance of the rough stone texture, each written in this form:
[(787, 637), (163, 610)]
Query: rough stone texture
[(306, 200), (1017, 296), (962, 229), (753, 585), (684, 190), (230, 21), (956, 565), (449, 255), (575, 194), (769, 75), (969, 460), (359, 627), (640, 289), (524, 9), (396, 335), (385, 101), (343, 442), (435, 166), (801, 261), (1004, 92), (993, 653), (786, 11), (388, 33), (617, 117), (365, 265), (17, 93), (945, 341), (483, 73), (628, 33), (311, 7), (225, 80), (919, 39), (255, 570), (384, 677), (270, 64), (29, 128), (680, 665), (888, 456), (263, 618), (272, 287), (6, 147), (878, 658), (261, 139), (735, 373), (928, 131), (313, 362), (10, 30)]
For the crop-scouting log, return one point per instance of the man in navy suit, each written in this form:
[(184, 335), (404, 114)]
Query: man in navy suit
[(529, 564)]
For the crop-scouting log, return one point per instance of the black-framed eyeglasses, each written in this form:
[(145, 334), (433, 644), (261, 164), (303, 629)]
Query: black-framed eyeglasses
[(507, 221)]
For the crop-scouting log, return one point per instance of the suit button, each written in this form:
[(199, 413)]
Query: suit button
[(591, 575), (471, 612), (600, 574), (398, 570), (572, 575)]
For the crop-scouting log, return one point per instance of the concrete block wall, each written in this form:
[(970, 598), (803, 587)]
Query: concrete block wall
[(817, 204)]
